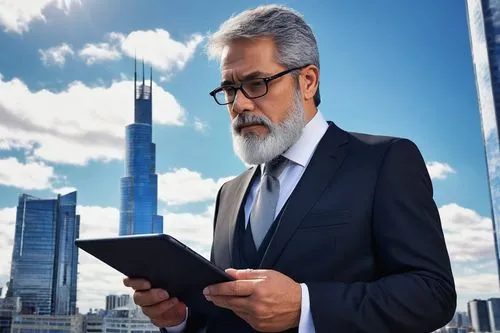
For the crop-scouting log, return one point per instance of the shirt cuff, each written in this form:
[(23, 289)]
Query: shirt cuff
[(177, 328), (306, 324)]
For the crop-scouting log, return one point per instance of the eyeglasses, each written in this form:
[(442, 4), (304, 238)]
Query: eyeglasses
[(251, 88)]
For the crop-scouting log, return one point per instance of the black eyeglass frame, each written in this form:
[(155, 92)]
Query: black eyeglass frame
[(266, 80)]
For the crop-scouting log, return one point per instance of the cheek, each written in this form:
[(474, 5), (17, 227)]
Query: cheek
[(275, 112), (276, 105), (230, 112)]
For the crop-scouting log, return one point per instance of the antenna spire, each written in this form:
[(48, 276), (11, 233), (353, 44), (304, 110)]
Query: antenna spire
[(143, 71), (135, 76)]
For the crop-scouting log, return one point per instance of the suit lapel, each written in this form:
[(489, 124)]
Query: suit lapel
[(240, 193), (322, 167)]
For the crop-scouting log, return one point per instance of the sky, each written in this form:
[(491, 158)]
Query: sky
[(394, 68)]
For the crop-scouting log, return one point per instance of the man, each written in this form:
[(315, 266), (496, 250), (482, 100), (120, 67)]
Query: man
[(329, 231)]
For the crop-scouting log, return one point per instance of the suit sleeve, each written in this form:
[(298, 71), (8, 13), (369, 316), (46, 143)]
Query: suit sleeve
[(416, 291)]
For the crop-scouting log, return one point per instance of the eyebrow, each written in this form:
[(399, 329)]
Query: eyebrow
[(252, 75)]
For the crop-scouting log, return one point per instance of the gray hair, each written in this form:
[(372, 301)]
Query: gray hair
[(295, 42)]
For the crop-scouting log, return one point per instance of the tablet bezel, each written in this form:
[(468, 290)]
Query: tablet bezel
[(213, 273)]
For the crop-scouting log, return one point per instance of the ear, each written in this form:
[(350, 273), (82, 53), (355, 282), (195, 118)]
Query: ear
[(309, 81)]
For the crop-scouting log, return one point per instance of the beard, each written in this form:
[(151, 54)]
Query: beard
[(254, 149)]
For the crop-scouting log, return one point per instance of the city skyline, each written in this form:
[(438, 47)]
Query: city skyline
[(44, 256), (64, 110)]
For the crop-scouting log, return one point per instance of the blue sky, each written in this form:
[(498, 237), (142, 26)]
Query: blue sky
[(395, 68)]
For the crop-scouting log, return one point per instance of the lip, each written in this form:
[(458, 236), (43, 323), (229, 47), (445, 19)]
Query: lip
[(240, 128)]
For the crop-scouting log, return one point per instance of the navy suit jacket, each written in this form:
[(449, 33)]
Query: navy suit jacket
[(362, 230)]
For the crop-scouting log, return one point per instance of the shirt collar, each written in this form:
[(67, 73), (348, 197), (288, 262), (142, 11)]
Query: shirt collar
[(302, 150)]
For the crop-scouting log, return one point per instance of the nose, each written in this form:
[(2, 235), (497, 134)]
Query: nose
[(241, 103)]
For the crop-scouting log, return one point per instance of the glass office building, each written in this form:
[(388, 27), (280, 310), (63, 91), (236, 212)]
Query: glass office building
[(494, 313), (139, 187), (479, 316), (484, 29), (44, 257)]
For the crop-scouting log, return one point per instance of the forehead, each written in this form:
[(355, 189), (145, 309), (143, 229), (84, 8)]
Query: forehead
[(244, 56)]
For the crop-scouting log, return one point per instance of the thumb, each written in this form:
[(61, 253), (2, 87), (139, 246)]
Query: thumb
[(247, 274)]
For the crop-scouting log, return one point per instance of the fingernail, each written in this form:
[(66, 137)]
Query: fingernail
[(206, 291), (208, 298), (162, 294)]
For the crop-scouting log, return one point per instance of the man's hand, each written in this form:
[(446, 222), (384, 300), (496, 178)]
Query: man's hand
[(156, 303), (267, 300)]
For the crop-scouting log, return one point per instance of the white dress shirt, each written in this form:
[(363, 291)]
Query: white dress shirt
[(298, 157)]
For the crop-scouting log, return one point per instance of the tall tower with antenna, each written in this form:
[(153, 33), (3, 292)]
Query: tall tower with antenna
[(139, 186)]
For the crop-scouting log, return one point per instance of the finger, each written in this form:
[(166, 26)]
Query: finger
[(137, 284), (233, 288), (150, 297), (248, 274), (157, 310)]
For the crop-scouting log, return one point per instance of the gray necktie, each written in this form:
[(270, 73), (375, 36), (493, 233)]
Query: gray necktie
[(264, 207)]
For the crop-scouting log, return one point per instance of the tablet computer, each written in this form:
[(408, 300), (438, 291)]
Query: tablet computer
[(162, 260)]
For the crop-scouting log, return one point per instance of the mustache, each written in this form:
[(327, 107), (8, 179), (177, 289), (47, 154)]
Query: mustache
[(247, 119)]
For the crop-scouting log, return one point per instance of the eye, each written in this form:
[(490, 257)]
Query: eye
[(255, 83)]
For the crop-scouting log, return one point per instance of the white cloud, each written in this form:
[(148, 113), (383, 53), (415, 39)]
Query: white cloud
[(184, 186), (16, 15), (438, 170), (78, 124), (469, 236), (63, 190), (156, 47), (98, 221), (200, 125), (56, 55), (195, 230), (159, 49), (477, 283), (96, 279), (94, 53), (29, 176), (7, 228)]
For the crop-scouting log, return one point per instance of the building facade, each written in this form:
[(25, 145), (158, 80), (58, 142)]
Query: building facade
[(9, 308), (93, 323), (47, 324), (494, 314), (127, 319), (479, 316), (44, 256), (139, 186), (484, 27), (116, 301)]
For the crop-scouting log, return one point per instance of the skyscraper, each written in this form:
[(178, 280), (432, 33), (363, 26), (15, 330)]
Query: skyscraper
[(44, 257), (111, 302), (117, 301), (484, 25), (124, 300), (479, 316), (139, 187), (494, 313)]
